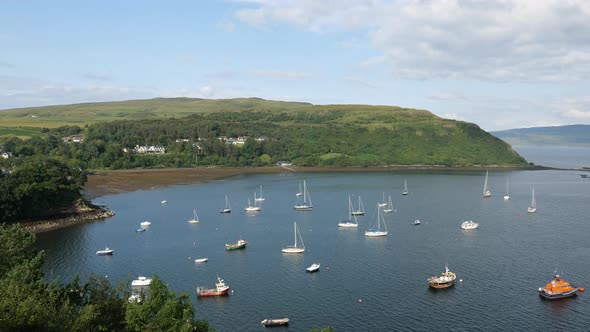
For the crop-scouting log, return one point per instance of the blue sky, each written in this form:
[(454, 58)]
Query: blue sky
[(499, 63)]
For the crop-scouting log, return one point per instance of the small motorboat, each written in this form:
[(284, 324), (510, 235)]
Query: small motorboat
[(163, 202), (313, 268), (141, 281), (275, 322), (447, 279), (558, 289), (106, 251), (220, 289), (145, 223), (140, 229), (469, 224), (416, 222), (201, 260), (241, 244)]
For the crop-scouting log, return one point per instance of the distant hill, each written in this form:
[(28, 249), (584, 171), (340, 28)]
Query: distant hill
[(338, 135), (572, 135)]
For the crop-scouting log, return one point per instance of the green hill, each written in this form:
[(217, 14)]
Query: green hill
[(339, 135), (572, 135)]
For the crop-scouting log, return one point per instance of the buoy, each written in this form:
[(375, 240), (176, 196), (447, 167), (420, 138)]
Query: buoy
[(327, 268), (581, 289), (360, 301), (460, 280)]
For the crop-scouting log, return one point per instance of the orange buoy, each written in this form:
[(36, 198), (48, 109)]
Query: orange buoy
[(581, 289)]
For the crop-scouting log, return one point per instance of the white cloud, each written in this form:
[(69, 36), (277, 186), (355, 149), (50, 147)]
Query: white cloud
[(575, 110), (280, 74), (97, 77), (206, 91), (187, 59), (497, 40), (227, 26), (360, 81)]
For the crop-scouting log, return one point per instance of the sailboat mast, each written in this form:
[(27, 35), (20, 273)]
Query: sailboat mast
[(295, 233)]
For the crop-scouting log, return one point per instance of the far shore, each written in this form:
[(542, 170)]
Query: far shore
[(105, 182)]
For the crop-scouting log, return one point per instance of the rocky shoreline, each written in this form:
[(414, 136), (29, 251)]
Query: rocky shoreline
[(84, 214)]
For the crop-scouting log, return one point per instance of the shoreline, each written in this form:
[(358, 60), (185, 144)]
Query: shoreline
[(108, 182), (81, 214)]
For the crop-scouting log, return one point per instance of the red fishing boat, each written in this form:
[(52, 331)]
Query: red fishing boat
[(220, 289)]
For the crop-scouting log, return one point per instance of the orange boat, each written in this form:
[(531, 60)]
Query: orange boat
[(558, 289)]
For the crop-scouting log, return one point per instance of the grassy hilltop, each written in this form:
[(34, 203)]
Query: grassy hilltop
[(340, 135)]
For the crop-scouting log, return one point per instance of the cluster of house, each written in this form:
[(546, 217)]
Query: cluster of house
[(240, 140), (74, 139), (6, 155), (147, 149)]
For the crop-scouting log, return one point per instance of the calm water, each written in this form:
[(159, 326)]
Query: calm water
[(502, 264), (556, 156)]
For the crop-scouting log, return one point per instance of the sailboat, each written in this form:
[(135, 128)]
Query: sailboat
[(533, 207), (405, 191), (349, 223), (506, 196), (361, 209), (389, 207), (306, 205), (195, 219), (227, 208), (486, 191), (373, 232), (252, 208), (383, 202), (260, 198), (299, 193), (294, 249)]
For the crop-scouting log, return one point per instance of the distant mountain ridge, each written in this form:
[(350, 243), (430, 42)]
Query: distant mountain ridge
[(569, 135)]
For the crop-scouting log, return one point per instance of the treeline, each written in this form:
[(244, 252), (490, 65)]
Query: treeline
[(30, 303), (38, 186)]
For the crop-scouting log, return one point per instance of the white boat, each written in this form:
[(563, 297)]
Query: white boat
[(252, 208), (533, 207), (141, 281), (299, 193), (405, 191), (195, 219), (275, 322), (163, 202), (295, 249), (469, 224), (373, 232), (389, 207), (201, 260), (145, 223), (306, 205), (506, 196), (486, 191), (135, 298), (361, 209), (416, 222), (259, 198), (313, 268), (383, 202), (349, 222), (106, 251), (227, 208)]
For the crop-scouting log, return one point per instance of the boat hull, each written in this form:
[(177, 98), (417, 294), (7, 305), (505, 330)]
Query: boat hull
[(292, 250), (441, 285), (375, 234), (557, 296), (192, 221), (235, 247), (357, 213), (225, 211), (105, 253), (212, 292), (347, 224), (303, 208), (275, 322)]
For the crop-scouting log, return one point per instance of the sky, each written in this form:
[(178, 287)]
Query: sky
[(498, 63)]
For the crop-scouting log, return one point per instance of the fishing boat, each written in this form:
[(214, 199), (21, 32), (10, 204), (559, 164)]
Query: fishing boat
[(295, 248), (349, 222), (260, 198), (506, 196), (145, 223), (141, 281), (306, 205), (447, 279), (220, 289), (416, 222), (106, 251), (195, 219), (275, 322), (558, 289), (201, 260), (533, 207), (383, 202), (252, 208), (140, 229), (227, 208), (241, 244), (361, 209), (469, 224), (299, 193), (313, 268), (486, 191), (374, 232), (389, 208), (405, 191)]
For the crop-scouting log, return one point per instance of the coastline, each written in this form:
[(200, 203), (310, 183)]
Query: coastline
[(79, 214)]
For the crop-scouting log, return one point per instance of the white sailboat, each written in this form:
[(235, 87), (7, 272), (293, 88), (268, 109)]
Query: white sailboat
[(405, 191), (374, 232), (299, 193), (389, 207), (306, 205), (252, 208), (533, 207), (383, 202), (260, 198), (506, 196), (295, 249), (349, 222), (227, 208), (361, 209), (195, 219), (486, 191)]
